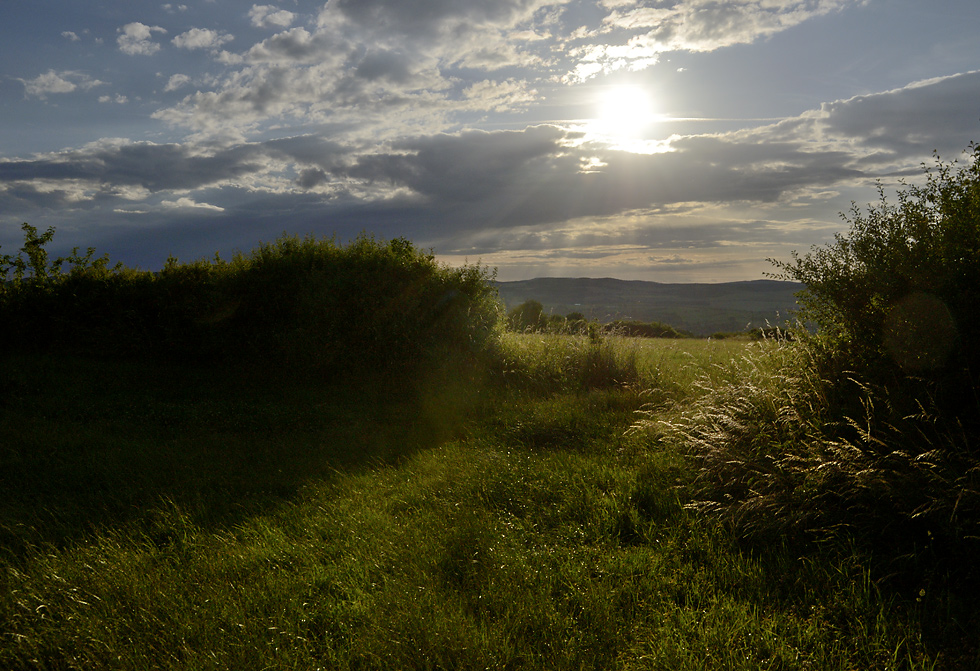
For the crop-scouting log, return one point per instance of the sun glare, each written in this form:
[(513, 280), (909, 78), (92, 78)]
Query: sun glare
[(624, 112)]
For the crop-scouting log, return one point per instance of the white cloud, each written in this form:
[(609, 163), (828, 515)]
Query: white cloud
[(119, 99), (135, 39), (185, 203), (687, 25), (177, 81), (201, 38), (506, 96), (269, 16), (70, 35), (65, 81), (228, 58)]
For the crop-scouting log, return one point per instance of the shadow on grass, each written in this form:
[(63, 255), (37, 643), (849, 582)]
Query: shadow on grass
[(91, 445)]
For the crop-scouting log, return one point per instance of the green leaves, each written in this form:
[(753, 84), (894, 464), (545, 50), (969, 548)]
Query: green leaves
[(928, 244), (310, 304)]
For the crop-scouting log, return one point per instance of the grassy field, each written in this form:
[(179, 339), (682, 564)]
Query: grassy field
[(515, 518)]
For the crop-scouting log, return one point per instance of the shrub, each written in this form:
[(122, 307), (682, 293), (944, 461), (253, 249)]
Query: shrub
[(895, 298), (305, 303), (868, 426), (529, 316)]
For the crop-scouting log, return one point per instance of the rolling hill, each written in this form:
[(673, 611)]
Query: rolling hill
[(702, 309)]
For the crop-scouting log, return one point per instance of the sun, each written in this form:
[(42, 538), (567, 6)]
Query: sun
[(623, 112)]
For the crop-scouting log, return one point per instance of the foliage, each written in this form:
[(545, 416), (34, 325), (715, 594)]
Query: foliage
[(550, 363), (306, 303), (638, 329), (868, 428), (895, 298), (528, 316)]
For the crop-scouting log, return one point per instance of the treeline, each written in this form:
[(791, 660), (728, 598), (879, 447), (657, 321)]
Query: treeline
[(530, 317), (306, 303)]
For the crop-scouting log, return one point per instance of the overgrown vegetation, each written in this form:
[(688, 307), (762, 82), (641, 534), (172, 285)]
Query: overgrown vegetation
[(866, 431), (530, 317), (305, 303)]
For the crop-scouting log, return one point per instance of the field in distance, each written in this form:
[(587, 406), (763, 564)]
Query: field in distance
[(702, 309)]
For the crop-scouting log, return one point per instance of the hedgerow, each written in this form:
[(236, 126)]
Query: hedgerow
[(304, 303)]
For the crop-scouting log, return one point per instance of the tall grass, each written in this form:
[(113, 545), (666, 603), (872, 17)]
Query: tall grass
[(552, 363), (546, 362), (776, 464)]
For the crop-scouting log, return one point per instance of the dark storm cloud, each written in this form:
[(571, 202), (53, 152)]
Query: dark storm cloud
[(936, 114), (154, 167), (25, 196), (384, 64), (304, 149), (466, 167), (537, 176)]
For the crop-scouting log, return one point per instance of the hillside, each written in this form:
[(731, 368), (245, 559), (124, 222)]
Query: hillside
[(700, 308)]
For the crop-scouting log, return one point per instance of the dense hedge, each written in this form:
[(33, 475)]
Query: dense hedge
[(302, 302)]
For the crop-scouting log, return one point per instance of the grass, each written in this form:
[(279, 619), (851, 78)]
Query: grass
[(185, 519)]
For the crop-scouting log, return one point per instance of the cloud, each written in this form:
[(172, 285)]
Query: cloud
[(486, 36), (503, 96), (254, 95), (155, 167), (365, 62), (201, 38), (297, 46), (177, 81), (189, 204), (71, 36), (512, 178), (384, 64), (940, 114), (135, 39), (270, 16), (65, 81), (117, 168), (513, 194), (645, 32), (119, 99)]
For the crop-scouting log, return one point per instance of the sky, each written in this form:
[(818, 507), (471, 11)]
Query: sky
[(663, 140)]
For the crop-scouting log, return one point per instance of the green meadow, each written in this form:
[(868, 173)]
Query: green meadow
[(176, 517), (326, 456)]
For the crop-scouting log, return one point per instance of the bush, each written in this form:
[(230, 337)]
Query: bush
[(868, 426), (527, 317), (894, 299), (306, 304)]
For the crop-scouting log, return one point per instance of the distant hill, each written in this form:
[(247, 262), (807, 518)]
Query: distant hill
[(700, 308)]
